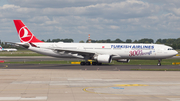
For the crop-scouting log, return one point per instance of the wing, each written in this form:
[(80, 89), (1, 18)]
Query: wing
[(82, 52)]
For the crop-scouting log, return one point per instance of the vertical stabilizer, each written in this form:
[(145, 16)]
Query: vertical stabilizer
[(24, 33), (1, 48)]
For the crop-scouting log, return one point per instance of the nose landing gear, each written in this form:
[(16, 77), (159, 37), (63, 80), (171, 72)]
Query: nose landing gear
[(159, 62)]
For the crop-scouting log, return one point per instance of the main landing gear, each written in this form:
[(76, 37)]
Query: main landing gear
[(159, 62), (89, 63)]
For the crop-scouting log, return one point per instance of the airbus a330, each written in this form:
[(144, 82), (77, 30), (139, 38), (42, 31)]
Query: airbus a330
[(100, 52)]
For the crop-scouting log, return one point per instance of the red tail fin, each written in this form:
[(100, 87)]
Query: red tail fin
[(24, 33)]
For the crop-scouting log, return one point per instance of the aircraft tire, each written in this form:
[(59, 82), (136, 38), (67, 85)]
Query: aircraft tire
[(159, 64), (82, 63), (94, 63), (99, 63), (88, 63)]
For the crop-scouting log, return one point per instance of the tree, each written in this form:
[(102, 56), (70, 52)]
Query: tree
[(108, 41), (146, 40), (43, 40), (159, 41), (164, 41), (49, 40), (118, 41), (173, 46), (178, 46), (135, 41), (60, 40), (81, 41), (128, 41)]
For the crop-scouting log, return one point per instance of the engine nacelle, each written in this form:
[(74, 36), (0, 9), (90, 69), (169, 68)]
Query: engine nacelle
[(103, 58), (123, 60)]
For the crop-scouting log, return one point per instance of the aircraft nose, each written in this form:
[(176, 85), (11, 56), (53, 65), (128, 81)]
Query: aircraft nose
[(175, 52)]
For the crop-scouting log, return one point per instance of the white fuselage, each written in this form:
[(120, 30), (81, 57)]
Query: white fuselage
[(9, 49), (116, 50)]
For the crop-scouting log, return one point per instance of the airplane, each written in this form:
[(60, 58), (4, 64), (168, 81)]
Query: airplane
[(7, 49), (99, 52)]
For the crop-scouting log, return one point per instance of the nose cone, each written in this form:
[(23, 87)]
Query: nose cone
[(175, 52)]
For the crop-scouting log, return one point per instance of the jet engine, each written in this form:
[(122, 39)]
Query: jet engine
[(103, 58), (123, 60)]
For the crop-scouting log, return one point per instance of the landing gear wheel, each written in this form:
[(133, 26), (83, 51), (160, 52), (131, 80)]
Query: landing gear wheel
[(82, 63), (88, 63), (94, 63), (99, 63), (159, 64)]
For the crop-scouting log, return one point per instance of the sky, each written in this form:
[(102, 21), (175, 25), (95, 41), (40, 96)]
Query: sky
[(102, 19)]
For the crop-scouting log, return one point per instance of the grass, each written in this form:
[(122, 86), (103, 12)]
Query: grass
[(156, 69), (132, 62), (147, 62), (20, 53), (40, 62)]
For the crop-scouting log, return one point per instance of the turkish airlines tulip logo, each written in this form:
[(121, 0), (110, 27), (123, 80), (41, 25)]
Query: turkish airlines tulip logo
[(25, 35)]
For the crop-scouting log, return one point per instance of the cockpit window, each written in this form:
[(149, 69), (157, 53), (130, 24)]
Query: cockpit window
[(170, 49)]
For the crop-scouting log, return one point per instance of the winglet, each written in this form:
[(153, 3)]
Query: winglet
[(24, 33)]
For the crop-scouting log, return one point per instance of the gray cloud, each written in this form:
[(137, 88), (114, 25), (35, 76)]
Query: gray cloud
[(103, 19), (58, 3)]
